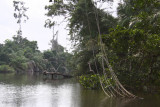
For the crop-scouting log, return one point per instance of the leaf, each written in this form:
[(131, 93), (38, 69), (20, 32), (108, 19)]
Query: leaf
[(15, 15), (19, 21)]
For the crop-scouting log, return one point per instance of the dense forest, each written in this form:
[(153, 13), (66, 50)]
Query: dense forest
[(21, 55), (131, 42)]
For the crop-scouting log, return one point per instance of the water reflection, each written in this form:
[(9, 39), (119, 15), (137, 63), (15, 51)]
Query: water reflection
[(32, 91), (148, 101), (116, 102), (39, 94)]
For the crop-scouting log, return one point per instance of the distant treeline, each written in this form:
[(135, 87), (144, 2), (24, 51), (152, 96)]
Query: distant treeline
[(21, 55)]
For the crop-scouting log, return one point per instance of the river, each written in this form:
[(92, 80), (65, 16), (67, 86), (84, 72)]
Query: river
[(34, 91)]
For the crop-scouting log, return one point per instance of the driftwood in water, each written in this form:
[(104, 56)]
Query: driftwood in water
[(56, 74)]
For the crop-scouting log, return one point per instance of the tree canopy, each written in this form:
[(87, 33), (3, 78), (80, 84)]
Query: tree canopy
[(131, 40)]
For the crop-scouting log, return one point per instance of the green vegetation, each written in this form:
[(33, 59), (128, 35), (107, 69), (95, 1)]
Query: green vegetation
[(6, 69), (90, 81), (131, 42), (18, 53), (93, 82), (21, 55)]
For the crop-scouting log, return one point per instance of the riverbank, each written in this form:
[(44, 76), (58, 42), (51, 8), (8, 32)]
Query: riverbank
[(92, 81)]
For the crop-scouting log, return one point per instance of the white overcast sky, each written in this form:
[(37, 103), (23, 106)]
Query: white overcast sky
[(33, 29)]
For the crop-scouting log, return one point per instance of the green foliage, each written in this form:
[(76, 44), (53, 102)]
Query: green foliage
[(23, 55), (133, 47), (132, 44), (6, 69), (83, 30), (90, 81), (135, 55), (39, 61), (57, 61), (17, 53), (131, 41), (93, 81), (18, 61)]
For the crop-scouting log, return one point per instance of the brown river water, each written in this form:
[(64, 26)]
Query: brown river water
[(34, 91)]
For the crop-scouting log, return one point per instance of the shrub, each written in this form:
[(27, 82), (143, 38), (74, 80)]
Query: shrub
[(93, 81), (89, 81), (6, 69)]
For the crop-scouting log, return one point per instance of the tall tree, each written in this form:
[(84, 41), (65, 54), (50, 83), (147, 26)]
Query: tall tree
[(82, 23), (20, 14)]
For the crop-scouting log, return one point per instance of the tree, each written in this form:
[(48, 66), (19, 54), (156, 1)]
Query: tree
[(133, 46), (19, 14), (20, 54), (82, 25)]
